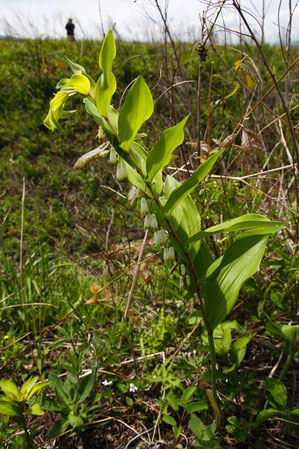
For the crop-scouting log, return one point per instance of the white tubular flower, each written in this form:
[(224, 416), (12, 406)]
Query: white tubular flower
[(171, 253), (133, 195), (144, 206), (166, 254), (112, 156), (121, 171), (147, 222), (153, 222), (188, 282), (181, 283), (183, 270), (160, 237)]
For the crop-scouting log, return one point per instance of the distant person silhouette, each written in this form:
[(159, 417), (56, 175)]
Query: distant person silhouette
[(70, 30)]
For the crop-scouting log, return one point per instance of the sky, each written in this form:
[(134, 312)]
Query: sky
[(133, 19)]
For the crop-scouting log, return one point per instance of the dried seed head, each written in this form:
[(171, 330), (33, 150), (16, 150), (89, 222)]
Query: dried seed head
[(228, 141), (246, 142)]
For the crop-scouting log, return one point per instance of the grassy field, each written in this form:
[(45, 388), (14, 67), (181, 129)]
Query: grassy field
[(70, 240)]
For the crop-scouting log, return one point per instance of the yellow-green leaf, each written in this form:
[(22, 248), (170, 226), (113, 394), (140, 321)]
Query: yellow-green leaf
[(106, 84), (161, 153), (137, 108), (10, 389)]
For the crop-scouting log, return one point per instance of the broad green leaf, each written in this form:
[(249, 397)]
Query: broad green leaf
[(181, 192), (56, 110), (177, 431), (92, 110), (196, 407), (9, 408), (104, 90), (108, 52), (80, 70), (223, 346), (106, 84), (185, 220), (245, 222), (75, 420), (238, 349), (226, 340), (136, 179), (84, 160), (160, 155), (284, 331), (62, 83), (137, 108), (265, 414), (35, 409), (58, 387), (173, 401), (10, 389), (58, 428), (291, 333), (85, 388), (27, 387), (278, 391), (240, 262), (37, 388), (187, 395), (138, 158), (197, 426), (113, 118), (78, 82), (170, 420)]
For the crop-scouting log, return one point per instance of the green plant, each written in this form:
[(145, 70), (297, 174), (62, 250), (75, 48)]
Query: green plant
[(167, 204), (69, 402), (19, 403), (205, 435), (277, 397), (182, 405)]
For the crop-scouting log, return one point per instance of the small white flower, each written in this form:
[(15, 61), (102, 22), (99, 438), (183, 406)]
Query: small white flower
[(171, 253), (160, 237), (147, 222), (112, 156), (166, 254), (106, 382), (153, 222), (181, 282), (183, 270), (133, 388), (121, 171), (188, 282), (144, 206)]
